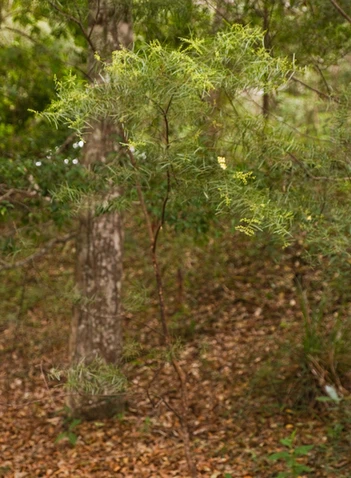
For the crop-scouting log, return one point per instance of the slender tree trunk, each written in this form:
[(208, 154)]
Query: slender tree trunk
[(268, 46), (97, 324)]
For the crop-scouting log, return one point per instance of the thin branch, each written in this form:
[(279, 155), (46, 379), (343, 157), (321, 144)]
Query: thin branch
[(340, 10), (293, 128), (165, 115), (23, 34), (172, 409), (144, 323), (164, 204), (152, 247), (163, 213), (96, 18), (156, 374), (48, 51), (319, 93), (78, 12), (323, 78), (13, 191), (218, 12), (7, 194), (183, 416), (76, 21), (41, 252), (312, 176)]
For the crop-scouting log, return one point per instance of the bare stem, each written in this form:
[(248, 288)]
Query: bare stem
[(319, 93), (76, 21), (340, 10), (153, 238)]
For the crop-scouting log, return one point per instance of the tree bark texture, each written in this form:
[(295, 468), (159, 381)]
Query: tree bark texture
[(97, 323)]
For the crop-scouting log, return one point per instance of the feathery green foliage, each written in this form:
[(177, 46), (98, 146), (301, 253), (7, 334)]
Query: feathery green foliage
[(96, 378), (163, 99)]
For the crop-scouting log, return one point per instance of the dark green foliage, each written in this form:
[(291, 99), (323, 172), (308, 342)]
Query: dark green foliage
[(291, 457), (70, 432), (169, 22), (31, 153)]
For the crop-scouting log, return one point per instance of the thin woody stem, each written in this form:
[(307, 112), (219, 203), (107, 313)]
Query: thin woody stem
[(341, 11), (318, 92), (76, 21), (153, 238)]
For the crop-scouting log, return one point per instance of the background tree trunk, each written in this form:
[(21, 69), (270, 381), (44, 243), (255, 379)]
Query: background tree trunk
[(97, 323), (267, 11)]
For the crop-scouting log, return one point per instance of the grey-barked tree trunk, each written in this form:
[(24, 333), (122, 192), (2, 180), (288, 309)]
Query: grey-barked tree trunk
[(97, 324)]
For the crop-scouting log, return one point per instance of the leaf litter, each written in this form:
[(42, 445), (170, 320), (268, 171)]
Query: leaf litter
[(232, 326)]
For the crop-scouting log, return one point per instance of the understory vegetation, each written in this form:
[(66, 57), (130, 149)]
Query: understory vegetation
[(248, 390)]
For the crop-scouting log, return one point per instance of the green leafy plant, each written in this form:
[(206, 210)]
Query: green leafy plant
[(338, 406), (147, 425), (291, 456), (69, 433), (4, 470)]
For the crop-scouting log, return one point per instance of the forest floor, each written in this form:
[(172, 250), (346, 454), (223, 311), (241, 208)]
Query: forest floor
[(241, 331)]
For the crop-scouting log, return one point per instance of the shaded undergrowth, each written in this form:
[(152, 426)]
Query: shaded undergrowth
[(259, 351)]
